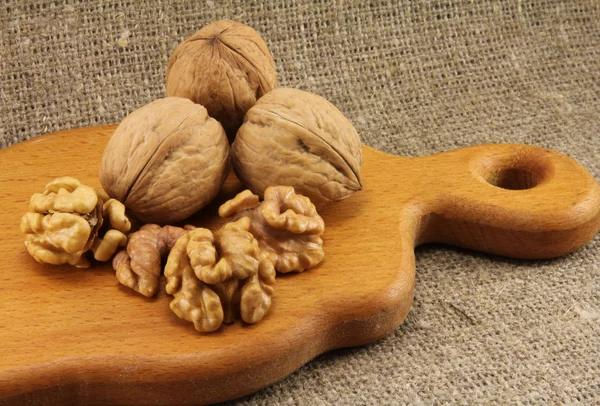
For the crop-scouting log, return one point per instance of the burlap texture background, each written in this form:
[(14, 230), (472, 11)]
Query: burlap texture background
[(415, 78)]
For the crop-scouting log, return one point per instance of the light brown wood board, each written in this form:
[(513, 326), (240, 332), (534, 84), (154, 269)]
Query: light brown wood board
[(75, 336)]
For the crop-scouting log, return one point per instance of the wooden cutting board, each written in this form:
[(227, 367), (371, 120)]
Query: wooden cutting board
[(72, 336)]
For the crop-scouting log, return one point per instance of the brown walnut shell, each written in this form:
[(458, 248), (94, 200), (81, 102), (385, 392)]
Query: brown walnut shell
[(299, 139), (226, 67), (166, 160)]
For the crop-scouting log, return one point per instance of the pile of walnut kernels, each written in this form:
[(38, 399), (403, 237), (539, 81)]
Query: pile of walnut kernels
[(170, 158)]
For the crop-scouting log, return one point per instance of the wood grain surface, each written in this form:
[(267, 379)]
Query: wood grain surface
[(73, 336)]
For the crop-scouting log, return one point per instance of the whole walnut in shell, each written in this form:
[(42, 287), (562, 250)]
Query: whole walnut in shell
[(166, 160), (299, 139), (226, 67)]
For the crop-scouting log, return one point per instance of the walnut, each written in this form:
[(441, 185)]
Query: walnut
[(286, 225), (66, 220), (166, 160), (113, 237), (295, 138), (139, 265), (226, 67), (215, 277)]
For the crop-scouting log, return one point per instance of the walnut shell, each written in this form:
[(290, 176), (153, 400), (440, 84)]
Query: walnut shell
[(166, 160), (226, 67), (299, 139)]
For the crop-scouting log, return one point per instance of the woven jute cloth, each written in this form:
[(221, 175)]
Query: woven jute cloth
[(416, 78)]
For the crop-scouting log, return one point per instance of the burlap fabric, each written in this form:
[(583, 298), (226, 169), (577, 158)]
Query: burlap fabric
[(415, 78)]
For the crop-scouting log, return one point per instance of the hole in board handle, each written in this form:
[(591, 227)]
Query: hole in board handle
[(516, 170), (514, 179)]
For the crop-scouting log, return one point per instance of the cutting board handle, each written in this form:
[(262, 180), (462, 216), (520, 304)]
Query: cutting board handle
[(512, 200)]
